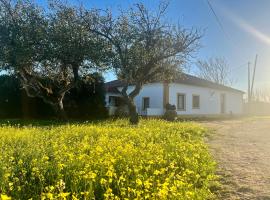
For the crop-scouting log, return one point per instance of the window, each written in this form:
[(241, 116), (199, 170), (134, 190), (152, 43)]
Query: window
[(146, 103), (181, 102), (114, 101), (195, 101)]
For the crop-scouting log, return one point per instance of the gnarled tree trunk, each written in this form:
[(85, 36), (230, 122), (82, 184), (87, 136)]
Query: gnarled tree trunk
[(133, 115), (129, 99), (75, 70), (59, 108), (34, 87)]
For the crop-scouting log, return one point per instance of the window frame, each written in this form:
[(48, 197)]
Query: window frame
[(185, 101), (116, 101), (199, 106), (111, 101), (143, 108)]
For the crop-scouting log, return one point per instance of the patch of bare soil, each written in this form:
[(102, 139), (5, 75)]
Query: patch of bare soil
[(242, 150)]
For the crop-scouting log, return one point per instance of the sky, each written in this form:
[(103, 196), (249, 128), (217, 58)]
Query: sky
[(240, 31)]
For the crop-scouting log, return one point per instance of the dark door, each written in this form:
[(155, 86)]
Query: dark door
[(222, 103), (146, 102)]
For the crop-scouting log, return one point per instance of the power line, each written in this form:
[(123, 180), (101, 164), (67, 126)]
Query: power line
[(250, 87), (216, 17), (223, 30), (221, 25)]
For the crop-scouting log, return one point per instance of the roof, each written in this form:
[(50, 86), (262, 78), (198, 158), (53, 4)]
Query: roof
[(113, 85), (183, 79), (193, 80)]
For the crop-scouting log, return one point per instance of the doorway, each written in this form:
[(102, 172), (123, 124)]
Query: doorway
[(222, 103), (145, 103)]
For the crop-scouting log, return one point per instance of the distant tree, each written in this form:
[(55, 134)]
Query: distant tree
[(47, 50), (215, 70), (145, 47)]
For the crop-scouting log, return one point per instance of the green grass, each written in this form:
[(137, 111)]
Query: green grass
[(105, 160)]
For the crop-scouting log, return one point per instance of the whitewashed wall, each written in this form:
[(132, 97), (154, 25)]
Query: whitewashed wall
[(209, 100), (155, 92)]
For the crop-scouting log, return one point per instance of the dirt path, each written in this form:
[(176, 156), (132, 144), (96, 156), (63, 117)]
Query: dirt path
[(242, 149)]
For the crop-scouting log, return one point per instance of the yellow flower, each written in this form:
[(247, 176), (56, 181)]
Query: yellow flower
[(121, 178), (99, 149), (109, 173), (156, 172), (64, 195), (74, 197), (154, 160), (103, 181), (85, 193), (20, 162), (147, 184), (5, 197), (47, 195), (139, 182)]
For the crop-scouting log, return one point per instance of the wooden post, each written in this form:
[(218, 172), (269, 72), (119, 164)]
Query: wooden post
[(253, 77), (165, 93), (248, 82)]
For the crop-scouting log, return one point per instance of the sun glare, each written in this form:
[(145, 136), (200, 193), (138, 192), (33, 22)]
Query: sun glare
[(247, 27)]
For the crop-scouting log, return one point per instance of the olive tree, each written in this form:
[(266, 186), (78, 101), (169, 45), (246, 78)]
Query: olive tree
[(47, 50), (145, 47)]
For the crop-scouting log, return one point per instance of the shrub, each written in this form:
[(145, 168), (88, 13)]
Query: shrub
[(14, 102), (121, 111), (108, 160), (170, 113), (87, 101), (9, 95)]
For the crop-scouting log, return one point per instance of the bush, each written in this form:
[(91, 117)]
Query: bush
[(87, 101), (108, 160), (170, 113), (9, 95), (121, 111), (14, 102)]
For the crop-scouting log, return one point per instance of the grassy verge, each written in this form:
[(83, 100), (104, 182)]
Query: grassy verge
[(106, 160)]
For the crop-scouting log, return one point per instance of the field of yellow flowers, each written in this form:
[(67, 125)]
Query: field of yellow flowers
[(105, 160)]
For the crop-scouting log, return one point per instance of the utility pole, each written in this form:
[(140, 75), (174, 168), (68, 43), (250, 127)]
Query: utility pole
[(248, 82), (253, 76)]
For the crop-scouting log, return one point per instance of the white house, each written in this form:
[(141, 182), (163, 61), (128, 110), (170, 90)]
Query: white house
[(191, 95)]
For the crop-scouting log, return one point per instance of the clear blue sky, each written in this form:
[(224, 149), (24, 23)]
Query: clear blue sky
[(246, 25)]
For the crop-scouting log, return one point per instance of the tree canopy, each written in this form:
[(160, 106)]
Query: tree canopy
[(145, 47), (48, 50)]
